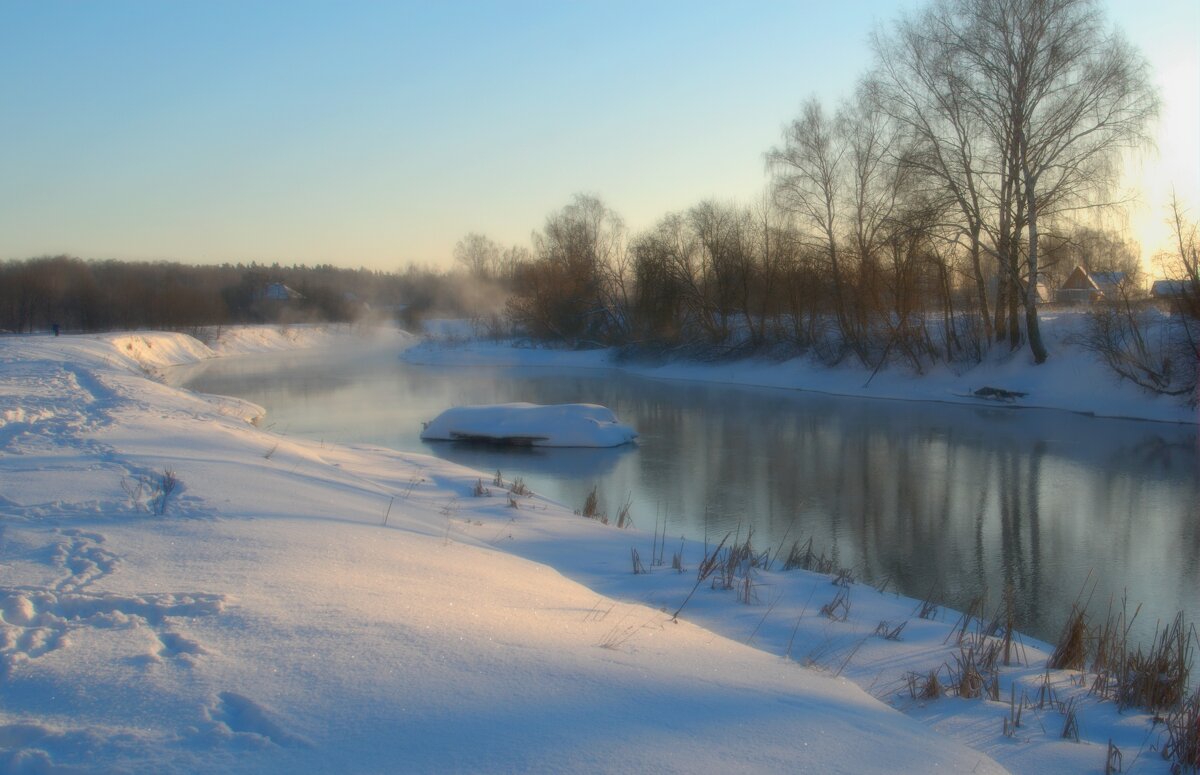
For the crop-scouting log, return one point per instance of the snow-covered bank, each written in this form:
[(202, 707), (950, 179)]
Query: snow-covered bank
[(1072, 379), (302, 606)]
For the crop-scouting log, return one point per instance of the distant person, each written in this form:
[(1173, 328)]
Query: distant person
[(54, 328)]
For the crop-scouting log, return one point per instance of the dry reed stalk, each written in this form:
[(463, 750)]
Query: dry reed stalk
[(838, 609), (1114, 762), (638, 568), (591, 505), (1183, 736), (1070, 729), (1071, 650), (1013, 720), (1158, 679), (886, 631), (623, 518)]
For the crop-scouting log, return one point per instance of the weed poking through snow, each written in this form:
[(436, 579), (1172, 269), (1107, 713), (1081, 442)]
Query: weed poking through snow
[(151, 495)]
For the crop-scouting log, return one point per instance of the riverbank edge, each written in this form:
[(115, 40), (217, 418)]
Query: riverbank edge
[(1072, 380), (952, 717)]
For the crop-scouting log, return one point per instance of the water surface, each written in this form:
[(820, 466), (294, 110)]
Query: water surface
[(962, 501)]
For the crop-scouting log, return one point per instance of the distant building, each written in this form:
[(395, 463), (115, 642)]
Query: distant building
[(1109, 282), (1083, 287), (278, 292), (1043, 294), (1042, 291), (1170, 289)]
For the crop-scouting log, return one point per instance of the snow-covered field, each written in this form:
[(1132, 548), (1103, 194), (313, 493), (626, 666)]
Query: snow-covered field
[(181, 590)]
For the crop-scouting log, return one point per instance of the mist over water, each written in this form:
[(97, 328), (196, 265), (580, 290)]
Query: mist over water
[(957, 501)]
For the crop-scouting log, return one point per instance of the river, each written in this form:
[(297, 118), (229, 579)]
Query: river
[(935, 499)]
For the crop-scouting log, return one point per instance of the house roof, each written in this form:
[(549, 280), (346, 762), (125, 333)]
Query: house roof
[(281, 292), (1161, 288), (1109, 279), (1080, 280)]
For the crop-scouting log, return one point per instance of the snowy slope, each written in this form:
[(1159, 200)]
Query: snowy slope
[(294, 606)]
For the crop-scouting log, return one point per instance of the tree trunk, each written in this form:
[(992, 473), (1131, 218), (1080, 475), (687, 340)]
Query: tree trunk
[(1036, 346), (980, 285)]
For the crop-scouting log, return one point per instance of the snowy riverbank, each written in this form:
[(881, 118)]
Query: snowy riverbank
[(288, 605), (1072, 379)]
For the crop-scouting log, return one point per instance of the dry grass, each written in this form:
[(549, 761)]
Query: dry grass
[(802, 557), (734, 567), (1070, 730), (973, 613), (928, 609), (149, 494), (638, 567), (707, 566), (167, 484), (933, 687), (623, 518), (1009, 627), (1154, 678), (974, 676), (746, 591), (1012, 722), (619, 635), (711, 562), (886, 631), (1158, 678), (591, 506), (519, 489), (1114, 762), (838, 609), (1070, 653), (479, 491), (1046, 695), (1183, 736), (925, 687)]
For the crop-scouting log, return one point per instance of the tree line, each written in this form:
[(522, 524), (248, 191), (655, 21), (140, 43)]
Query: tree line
[(920, 218), (76, 295)]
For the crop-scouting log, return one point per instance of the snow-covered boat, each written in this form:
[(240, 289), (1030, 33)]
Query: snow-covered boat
[(536, 425)]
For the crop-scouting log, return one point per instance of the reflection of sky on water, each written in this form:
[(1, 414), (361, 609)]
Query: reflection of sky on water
[(965, 500)]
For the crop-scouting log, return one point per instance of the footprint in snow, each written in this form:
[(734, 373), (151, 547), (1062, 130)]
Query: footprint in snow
[(243, 722)]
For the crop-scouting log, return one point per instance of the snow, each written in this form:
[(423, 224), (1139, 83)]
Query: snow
[(295, 606), (558, 425), (1072, 379)]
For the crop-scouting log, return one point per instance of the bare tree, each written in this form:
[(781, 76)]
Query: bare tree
[(1073, 94), (1183, 263), (1025, 105), (807, 174), (919, 83), (576, 287), (478, 255)]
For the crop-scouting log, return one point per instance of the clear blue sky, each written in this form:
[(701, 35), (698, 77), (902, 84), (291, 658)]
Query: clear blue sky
[(377, 134)]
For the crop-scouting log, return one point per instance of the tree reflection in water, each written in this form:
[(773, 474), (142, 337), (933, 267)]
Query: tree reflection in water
[(961, 500)]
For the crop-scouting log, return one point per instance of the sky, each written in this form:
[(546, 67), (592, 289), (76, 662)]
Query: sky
[(377, 134)]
